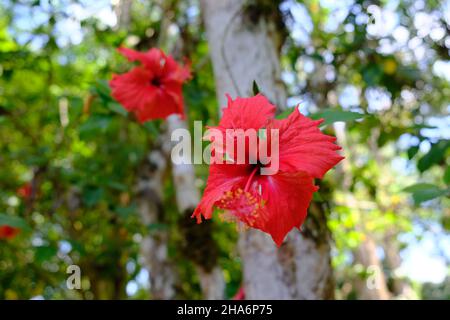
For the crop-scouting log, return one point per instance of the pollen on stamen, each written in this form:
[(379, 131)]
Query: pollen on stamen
[(241, 207)]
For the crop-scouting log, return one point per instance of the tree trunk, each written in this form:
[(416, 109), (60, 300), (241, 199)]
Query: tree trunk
[(154, 245), (400, 286), (244, 44), (205, 254), (372, 284), (122, 9)]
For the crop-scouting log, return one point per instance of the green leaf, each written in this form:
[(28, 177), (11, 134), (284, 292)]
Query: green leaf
[(117, 108), (422, 126), (92, 195), (152, 127), (117, 185), (154, 227), (125, 212), (434, 156), (78, 246), (102, 89), (255, 88), (419, 187), (94, 125), (412, 152), (13, 221), (425, 191), (447, 175), (317, 197), (45, 253), (372, 74), (335, 115)]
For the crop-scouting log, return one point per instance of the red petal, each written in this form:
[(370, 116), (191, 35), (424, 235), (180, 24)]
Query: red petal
[(163, 105), (159, 64), (245, 113), (8, 232), (273, 204), (133, 89), (153, 59), (175, 73), (287, 197), (303, 147), (240, 295), (222, 178), (25, 191)]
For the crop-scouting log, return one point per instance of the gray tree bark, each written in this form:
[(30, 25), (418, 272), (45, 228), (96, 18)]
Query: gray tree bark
[(401, 287), (244, 42), (373, 286), (122, 9), (210, 275), (154, 246), (154, 251)]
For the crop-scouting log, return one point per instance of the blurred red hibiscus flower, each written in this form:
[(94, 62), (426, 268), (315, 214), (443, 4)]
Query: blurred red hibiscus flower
[(278, 202), (8, 232), (240, 294), (25, 191), (152, 90)]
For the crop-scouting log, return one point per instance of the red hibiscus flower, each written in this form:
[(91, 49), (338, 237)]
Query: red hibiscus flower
[(278, 202), (8, 232), (240, 294), (25, 191), (152, 90)]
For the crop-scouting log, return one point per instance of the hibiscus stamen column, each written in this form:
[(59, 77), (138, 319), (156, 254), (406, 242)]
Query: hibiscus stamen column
[(301, 267), (250, 179)]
